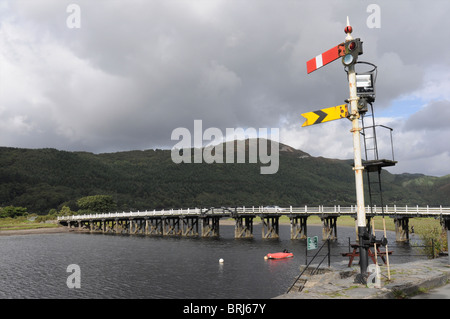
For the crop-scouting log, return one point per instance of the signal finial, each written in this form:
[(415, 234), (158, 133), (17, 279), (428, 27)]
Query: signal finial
[(348, 29)]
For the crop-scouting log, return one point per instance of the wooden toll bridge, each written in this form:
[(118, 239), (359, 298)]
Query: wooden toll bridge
[(205, 222)]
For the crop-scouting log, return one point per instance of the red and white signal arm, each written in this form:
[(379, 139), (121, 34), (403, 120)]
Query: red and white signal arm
[(325, 58)]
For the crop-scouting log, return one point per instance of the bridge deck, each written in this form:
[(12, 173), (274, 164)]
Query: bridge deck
[(393, 211), (205, 222)]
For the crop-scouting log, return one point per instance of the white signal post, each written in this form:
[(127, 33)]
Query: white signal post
[(358, 168)]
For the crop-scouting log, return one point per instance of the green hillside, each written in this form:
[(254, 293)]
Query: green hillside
[(43, 179)]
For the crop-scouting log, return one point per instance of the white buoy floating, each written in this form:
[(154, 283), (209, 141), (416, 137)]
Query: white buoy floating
[(221, 260)]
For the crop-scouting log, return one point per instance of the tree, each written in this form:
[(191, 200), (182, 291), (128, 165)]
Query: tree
[(11, 211), (96, 204), (65, 211)]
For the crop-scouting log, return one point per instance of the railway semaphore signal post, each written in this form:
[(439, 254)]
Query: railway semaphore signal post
[(349, 52)]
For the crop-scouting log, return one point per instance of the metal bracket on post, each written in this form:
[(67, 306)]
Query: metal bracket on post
[(353, 114)]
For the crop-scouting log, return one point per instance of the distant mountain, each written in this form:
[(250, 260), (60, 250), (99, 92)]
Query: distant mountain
[(42, 179)]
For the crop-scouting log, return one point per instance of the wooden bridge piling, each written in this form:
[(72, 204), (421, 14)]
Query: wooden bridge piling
[(209, 226), (329, 227), (401, 229), (155, 226), (243, 226), (189, 226), (171, 226), (270, 226), (298, 226)]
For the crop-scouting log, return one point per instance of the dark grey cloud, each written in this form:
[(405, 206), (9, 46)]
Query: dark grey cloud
[(136, 70), (433, 117)]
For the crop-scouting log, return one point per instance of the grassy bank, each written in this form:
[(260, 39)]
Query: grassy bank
[(21, 223)]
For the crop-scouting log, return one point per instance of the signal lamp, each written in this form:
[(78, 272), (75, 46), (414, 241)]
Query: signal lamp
[(348, 60), (352, 48)]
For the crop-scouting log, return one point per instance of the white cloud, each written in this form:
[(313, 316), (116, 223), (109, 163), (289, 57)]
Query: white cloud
[(330, 139), (436, 84)]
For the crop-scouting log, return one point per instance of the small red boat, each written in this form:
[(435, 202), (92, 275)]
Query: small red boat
[(282, 255)]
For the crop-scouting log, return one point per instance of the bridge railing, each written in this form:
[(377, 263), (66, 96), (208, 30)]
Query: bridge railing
[(421, 210), (170, 212), (337, 209)]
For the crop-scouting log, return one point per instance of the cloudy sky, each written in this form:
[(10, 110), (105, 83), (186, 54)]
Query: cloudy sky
[(115, 75)]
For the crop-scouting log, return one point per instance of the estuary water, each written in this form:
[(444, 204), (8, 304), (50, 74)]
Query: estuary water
[(122, 266)]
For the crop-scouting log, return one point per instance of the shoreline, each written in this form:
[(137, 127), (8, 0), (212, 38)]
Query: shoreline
[(63, 229), (34, 231)]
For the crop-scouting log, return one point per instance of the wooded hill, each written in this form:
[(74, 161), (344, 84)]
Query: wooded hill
[(44, 179)]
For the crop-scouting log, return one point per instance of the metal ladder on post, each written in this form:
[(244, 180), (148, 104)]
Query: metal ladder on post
[(373, 164)]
